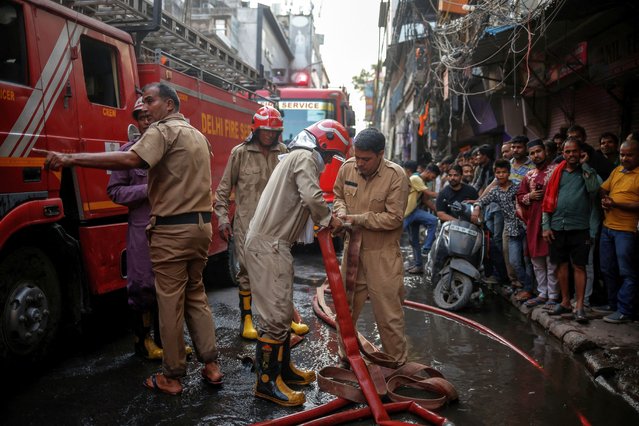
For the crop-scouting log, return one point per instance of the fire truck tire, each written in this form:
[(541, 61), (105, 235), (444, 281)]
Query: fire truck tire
[(31, 305)]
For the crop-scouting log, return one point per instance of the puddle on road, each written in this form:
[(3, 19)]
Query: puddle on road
[(496, 386)]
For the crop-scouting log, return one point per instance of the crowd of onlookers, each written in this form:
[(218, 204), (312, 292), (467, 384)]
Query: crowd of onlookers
[(562, 218)]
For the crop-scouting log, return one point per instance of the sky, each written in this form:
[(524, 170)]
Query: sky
[(351, 40)]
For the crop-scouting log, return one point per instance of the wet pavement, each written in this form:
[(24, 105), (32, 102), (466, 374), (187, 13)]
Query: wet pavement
[(96, 379)]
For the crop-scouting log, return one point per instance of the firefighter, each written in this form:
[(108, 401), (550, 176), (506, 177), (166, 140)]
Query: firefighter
[(248, 169), (178, 158), (129, 188), (371, 194), (291, 196)]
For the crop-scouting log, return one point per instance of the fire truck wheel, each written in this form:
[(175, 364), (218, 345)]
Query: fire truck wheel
[(30, 301)]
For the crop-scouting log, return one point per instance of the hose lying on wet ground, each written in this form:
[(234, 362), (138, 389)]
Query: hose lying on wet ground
[(321, 415), (369, 387)]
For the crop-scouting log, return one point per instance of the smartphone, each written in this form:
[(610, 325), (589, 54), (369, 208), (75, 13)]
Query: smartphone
[(539, 186)]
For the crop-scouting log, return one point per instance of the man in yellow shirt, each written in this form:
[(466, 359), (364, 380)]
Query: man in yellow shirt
[(414, 216), (618, 245)]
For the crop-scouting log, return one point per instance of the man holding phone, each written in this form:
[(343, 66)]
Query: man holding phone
[(529, 197)]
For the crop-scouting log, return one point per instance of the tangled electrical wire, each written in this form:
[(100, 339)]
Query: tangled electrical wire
[(457, 39)]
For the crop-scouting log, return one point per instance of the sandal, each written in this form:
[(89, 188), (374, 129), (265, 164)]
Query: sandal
[(154, 385), (217, 382), (523, 296), (539, 300), (559, 310)]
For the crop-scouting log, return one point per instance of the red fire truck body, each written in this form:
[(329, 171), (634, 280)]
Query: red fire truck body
[(303, 106), (68, 83)]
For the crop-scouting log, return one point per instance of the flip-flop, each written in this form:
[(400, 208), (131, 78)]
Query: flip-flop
[(211, 382), (154, 386)]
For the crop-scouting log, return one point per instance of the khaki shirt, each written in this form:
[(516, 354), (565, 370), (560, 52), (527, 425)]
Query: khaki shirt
[(247, 170), (377, 204), (291, 194), (179, 158)]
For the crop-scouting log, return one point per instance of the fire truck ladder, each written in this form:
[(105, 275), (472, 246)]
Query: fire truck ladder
[(206, 52)]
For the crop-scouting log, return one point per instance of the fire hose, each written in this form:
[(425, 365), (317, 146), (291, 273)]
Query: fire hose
[(321, 415), (368, 386)]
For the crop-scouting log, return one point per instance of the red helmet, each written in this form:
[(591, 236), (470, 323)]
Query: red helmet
[(267, 118), (330, 135)]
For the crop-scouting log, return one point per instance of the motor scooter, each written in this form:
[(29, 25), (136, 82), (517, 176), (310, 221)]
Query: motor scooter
[(455, 262)]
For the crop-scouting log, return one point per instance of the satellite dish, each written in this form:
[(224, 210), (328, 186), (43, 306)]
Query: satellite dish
[(133, 133)]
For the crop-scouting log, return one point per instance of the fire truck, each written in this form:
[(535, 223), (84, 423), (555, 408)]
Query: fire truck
[(68, 83), (303, 106)]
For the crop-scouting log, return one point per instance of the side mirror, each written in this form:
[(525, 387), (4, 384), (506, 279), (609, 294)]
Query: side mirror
[(350, 117), (133, 133)]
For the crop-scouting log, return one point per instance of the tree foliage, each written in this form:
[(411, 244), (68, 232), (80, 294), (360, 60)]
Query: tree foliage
[(359, 81)]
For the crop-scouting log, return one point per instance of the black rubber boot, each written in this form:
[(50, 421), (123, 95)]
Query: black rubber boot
[(268, 366), (247, 330), (290, 373)]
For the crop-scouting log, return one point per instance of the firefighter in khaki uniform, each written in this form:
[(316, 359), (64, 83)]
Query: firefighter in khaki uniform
[(371, 194), (292, 194), (247, 171), (179, 231)]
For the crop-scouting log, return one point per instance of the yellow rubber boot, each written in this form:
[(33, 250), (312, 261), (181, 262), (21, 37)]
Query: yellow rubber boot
[(268, 365), (153, 352), (290, 373), (247, 330), (299, 328)]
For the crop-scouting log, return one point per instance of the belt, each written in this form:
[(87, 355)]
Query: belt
[(192, 218)]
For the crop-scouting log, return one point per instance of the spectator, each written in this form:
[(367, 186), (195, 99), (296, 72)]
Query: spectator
[(609, 148), (503, 194), (551, 149), (618, 246), (520, 164), (371, 194), (484, 169), (467, 173), (603, 168), (506, 150), (594, 160), (468, 159), (444, 165), (558, 139), (530, 196), (455, 191), (569, 220), (414, 216)]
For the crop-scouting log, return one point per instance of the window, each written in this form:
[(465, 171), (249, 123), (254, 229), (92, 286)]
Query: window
[(13, 47), (99, 61), (220, 27)]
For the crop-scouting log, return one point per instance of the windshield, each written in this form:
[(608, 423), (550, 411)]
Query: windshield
[(301, 113)]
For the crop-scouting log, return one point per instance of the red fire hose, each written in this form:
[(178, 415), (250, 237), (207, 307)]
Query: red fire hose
[(376, 408)]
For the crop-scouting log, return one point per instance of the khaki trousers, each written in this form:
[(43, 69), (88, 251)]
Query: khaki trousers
[(380, 278), (179, 254), (270, 268), (242, 275)]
